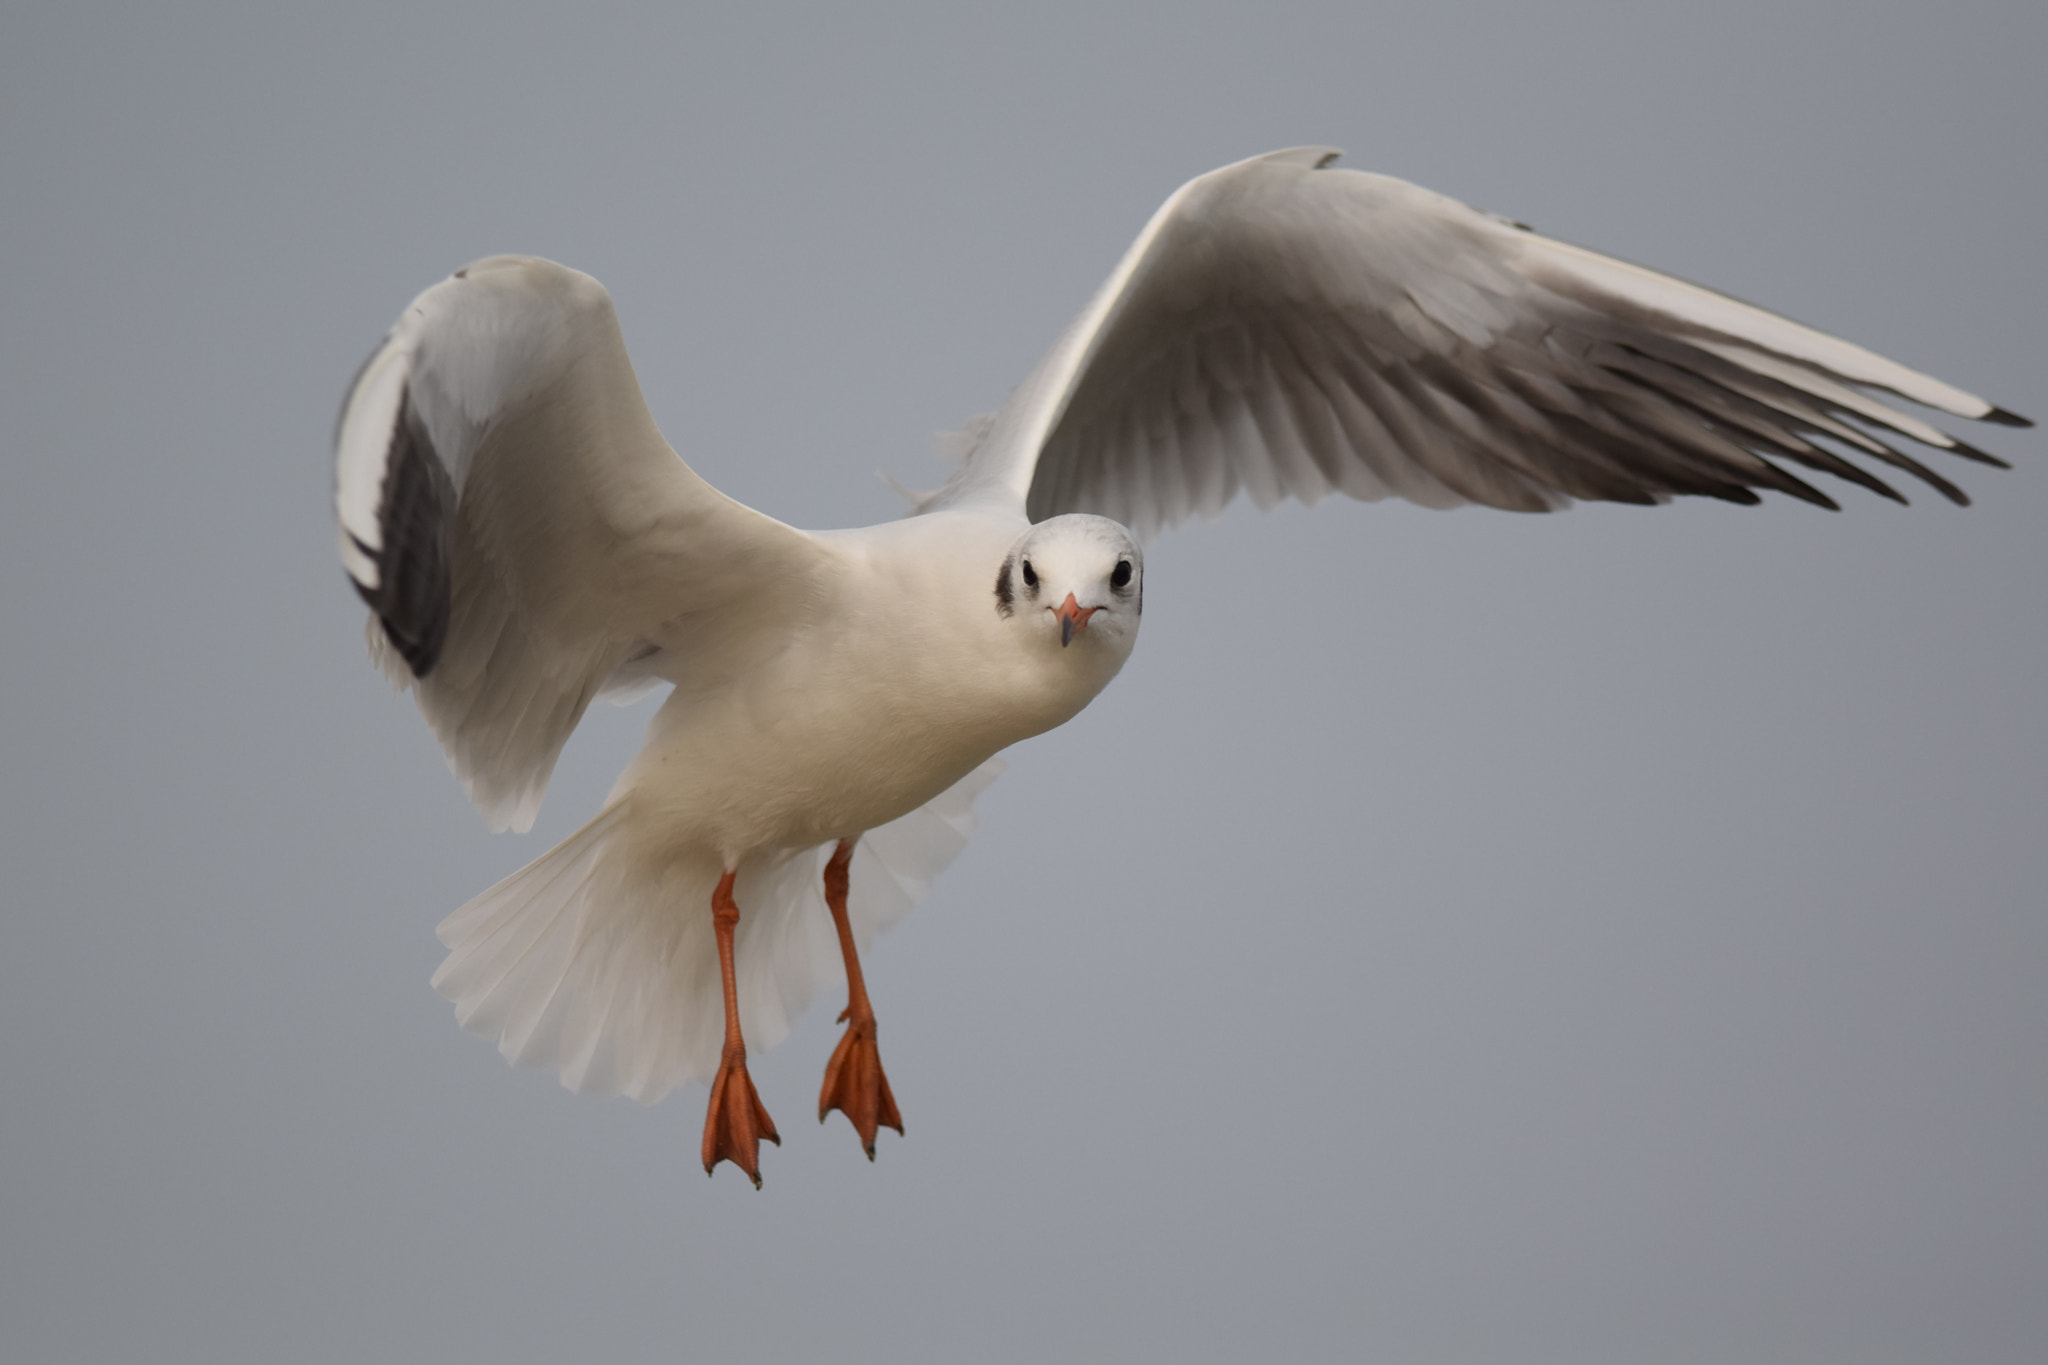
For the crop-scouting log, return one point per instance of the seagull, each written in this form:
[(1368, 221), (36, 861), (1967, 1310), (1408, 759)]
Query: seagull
[(527, 542)]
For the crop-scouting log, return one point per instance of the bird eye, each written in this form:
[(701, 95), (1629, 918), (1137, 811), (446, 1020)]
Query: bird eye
[(1030, 577), (1120, 576)]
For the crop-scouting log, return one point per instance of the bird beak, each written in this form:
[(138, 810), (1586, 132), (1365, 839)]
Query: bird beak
[(1073, 616)]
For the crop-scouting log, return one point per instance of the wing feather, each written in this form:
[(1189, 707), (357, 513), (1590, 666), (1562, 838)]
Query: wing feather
[(1287, 329), (518, 526)]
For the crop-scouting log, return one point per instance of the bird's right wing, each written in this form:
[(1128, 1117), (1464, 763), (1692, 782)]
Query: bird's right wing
[(519, 527)]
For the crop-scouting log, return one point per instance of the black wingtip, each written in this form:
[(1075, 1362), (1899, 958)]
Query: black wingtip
[(1799, 488), (413, 595), (420, 654), (1970, 452), (2005, 418)]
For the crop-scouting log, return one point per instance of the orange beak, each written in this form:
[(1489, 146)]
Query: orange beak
[(1073, 616)]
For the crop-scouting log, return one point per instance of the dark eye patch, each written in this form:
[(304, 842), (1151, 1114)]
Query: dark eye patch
[(1004, 595)]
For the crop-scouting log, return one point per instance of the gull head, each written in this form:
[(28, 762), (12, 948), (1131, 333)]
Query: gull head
[(1076, 581)]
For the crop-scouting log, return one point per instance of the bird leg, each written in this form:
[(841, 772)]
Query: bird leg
[(854, 1082), (735, 1121)]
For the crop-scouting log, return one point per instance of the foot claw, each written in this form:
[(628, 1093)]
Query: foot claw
[(735, 1121), (855, 1085)]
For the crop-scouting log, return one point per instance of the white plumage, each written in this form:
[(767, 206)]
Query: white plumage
[(576, 965), (526, 539)]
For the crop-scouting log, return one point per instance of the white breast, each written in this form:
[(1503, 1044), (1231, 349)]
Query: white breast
[(903, 680)]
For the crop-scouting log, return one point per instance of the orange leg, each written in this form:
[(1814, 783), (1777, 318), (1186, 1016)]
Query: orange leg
[(854, 1081), (735, 1121)]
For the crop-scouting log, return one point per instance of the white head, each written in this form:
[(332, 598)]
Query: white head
[(1079, 582)]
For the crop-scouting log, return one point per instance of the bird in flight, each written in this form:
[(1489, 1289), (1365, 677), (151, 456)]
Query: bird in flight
[(527, 542)]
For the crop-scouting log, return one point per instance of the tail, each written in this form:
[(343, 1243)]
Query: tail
[(589, 963)]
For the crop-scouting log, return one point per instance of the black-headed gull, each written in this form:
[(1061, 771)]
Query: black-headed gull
[(527, 541)]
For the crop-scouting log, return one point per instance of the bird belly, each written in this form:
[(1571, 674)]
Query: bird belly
[(803, 756)]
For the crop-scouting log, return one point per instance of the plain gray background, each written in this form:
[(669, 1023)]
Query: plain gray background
[(1614, 936)]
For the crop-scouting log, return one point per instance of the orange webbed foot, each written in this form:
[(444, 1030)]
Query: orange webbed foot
[(736, 1121), (856, 1086)]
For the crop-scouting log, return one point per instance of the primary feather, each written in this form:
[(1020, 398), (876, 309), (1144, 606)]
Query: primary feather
[(1289, 330)]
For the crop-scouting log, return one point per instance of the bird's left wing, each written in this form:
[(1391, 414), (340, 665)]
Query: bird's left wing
[(521, 530), (1292, 330)]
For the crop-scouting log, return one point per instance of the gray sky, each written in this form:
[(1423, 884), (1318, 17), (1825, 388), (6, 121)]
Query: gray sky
[(1456, 937)]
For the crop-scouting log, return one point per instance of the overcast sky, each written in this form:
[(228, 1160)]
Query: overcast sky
[(1461, 937)]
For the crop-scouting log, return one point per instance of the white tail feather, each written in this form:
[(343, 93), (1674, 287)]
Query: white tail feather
[(596, 966)]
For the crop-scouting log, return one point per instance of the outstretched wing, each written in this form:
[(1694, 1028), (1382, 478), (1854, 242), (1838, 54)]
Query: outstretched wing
[(519, 527), (1292, 330)]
